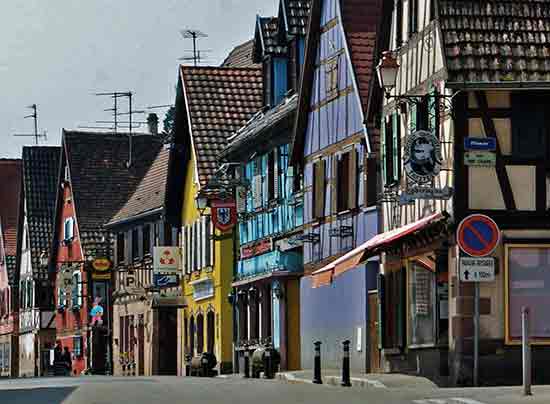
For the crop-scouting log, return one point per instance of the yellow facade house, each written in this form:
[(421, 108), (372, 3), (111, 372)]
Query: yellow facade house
[(211, 104)]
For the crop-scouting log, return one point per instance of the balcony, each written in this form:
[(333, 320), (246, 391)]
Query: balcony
[(268, 264)]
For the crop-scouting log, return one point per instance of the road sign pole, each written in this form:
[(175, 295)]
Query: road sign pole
[(476, 334)]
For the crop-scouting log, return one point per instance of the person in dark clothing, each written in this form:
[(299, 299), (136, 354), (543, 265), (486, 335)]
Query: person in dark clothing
[(67, 360), (58, 365)]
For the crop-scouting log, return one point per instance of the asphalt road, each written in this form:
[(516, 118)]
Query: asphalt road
[(172, 390)]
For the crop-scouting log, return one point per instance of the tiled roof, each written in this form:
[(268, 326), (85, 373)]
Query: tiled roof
[(40, 174), (100, 179), (496, 41), (220, 100), (10, 187), (262, 122), (268, 32), (151, 190), (241, 56), (296, 14)]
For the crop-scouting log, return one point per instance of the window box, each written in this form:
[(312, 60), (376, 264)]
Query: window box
[(60, 309)]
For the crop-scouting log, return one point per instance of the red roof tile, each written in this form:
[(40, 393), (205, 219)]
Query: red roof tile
[(10, 186), (220, 100), (241, 56)]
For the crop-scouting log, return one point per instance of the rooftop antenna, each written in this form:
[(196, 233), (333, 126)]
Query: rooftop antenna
[(36, 135), (193, 34)]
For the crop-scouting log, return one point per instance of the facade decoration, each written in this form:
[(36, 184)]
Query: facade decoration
[(335, 146)]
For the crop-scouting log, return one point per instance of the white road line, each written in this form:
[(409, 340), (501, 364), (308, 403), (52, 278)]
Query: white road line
[(466, 400)]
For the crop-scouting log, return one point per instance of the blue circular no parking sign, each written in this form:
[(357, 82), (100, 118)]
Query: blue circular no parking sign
[(478, 235)]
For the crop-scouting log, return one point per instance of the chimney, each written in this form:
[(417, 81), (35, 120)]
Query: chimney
[(153, 123)]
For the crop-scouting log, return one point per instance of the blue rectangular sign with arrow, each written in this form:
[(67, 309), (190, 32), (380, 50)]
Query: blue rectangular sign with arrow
[(480, 143)]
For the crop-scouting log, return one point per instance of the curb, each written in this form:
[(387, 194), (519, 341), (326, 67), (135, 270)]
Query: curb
[(333, 381)]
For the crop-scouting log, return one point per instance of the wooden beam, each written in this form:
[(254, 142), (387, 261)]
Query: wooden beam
[(490, 130)]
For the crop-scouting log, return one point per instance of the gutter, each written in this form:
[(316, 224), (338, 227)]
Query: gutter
[(134, 218)]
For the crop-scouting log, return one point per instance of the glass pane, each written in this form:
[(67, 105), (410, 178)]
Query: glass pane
[(421, 305), (529, 285)]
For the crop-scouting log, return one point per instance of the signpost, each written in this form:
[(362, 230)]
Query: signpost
[(480, 159), (477, 236), (480, 143)]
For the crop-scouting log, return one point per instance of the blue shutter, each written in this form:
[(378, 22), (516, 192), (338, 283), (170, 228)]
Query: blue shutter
[(396, 134), (280, 79), (383, 150)]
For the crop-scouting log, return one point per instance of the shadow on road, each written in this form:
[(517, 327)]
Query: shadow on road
[(49, 395)]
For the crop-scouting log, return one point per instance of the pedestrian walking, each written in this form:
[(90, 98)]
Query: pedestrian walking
[(58, 364), (67, 360)]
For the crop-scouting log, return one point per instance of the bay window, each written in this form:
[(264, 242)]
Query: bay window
[(422, 305)]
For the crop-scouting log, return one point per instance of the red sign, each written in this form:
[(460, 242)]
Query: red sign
[(224, 214), (256, 249), (478, 235)]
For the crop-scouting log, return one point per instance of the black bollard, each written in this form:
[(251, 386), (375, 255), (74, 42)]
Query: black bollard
[(267, 364), (246, 365), (346, 380), (317, 364)]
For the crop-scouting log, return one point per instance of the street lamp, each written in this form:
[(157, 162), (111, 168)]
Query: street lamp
[(386, 71), (201, 201), (277, 290)]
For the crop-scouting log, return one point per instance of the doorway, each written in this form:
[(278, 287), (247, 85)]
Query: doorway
[(210, 330), (141, 347), (374, 352), (167, 341)]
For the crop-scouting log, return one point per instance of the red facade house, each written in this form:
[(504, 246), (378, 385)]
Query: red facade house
[(10, 185), (97, 176)]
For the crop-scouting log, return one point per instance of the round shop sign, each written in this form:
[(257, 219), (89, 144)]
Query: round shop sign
[(478, 235), (422, 156)]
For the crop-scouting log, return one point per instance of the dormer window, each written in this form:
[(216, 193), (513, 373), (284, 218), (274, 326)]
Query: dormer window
[(275, 80), (68, 229)]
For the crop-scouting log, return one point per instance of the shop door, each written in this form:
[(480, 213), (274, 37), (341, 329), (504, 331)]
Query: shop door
[(141, 348), (374, 352), (168, 340)]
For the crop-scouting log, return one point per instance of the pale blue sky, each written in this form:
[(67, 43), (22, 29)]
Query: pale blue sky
[(57, 53)]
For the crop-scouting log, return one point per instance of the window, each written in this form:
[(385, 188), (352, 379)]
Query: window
[(392, 303), (413, 17), (167, 235), (68, 229), (422, 305), (398, 23), (280, 79), (529, 127), (528, 277), (77, 346), (135, 244), (120, 248), (203, 290), (319, 182), (146, 239), (29, 294), (370, 180), (191, 348), (331, 78), (76, 295), (346, 181), (272, 168)]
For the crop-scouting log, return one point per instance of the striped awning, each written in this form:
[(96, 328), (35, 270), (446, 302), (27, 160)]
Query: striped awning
[(360, 254)]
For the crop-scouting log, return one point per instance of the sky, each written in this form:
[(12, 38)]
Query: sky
[(59, 53)]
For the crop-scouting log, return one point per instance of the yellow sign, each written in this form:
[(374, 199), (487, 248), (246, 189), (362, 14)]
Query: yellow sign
[(101, 264)]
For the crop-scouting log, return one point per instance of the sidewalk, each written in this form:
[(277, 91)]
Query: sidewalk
[(333, 377)]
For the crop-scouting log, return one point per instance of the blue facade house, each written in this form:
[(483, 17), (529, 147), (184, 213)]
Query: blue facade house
[(266, 289), (335, 142)]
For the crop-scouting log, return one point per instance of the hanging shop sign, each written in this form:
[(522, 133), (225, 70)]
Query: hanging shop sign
[(478, 235), (258, 248), (101, 269), (480, 158), (165, 280), (480, 143), (224, 214), (166, 260), (477, 269), (422, 156), (413, 193)]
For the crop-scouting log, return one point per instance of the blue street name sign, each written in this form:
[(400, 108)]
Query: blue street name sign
[(480, 143), (161, 280)]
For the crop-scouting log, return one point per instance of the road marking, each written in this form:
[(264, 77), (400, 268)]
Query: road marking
[(467, 400), (451, 400)]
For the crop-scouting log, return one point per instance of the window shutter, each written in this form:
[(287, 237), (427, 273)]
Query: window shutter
[(319, 188), (240, 192), (371, 190), (396, 138), (204, 244), (334, 189), (188, 248), (383, 156), (257, 191), (208, 242), (276, 173), (352, 173), (193, 248)]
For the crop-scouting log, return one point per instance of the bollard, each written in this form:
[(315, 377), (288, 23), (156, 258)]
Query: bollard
[(317, 364), (346, 380), (526, 351), (267, 364), (246, 365)]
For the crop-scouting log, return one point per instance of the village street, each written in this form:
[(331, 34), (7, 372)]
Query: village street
[(161, 390)]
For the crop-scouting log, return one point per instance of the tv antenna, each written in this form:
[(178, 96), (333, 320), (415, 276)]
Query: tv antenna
[(193, 34), (36, 135)]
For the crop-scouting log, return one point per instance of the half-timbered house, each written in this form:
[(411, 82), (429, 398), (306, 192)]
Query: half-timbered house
[(35, 232), (270, 209), (464, 131), (334, 146)]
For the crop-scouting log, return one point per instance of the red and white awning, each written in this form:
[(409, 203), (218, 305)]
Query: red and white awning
[(351, 259)]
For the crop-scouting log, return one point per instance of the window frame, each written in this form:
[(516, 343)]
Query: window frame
[(146, 239), (68, 231), (508, 339)]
